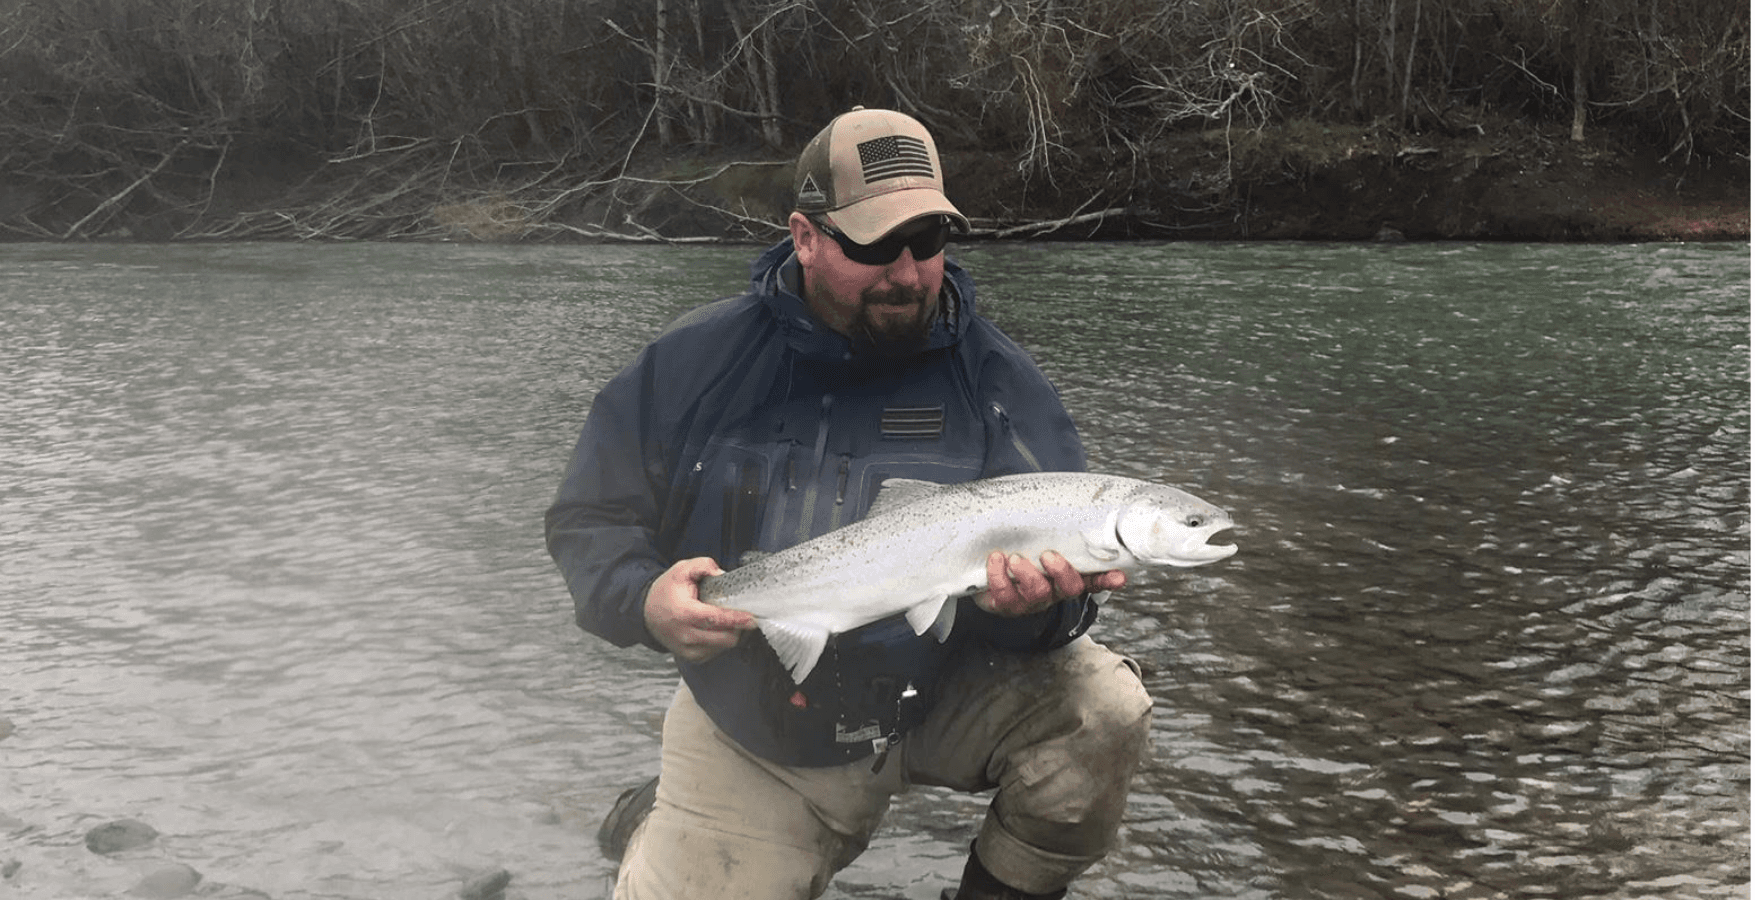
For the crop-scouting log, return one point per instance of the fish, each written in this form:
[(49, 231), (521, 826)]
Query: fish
[(923, 545)]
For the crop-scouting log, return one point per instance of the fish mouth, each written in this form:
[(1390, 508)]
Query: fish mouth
[(1205, 553), (1216, 552), (1199, 549), (1196, 548)]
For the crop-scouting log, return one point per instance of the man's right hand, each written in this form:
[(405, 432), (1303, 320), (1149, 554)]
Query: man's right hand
[(692, 630)]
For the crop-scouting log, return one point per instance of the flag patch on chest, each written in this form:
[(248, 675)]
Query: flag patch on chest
[(914, 422)]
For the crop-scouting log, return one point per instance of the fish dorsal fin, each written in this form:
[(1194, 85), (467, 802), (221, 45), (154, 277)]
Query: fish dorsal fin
[(935, 615), (798, 646), (898, 492)]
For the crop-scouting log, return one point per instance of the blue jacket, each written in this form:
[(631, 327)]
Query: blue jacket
[(749, 425)]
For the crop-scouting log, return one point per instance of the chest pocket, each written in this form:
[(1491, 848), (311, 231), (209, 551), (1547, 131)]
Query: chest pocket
[(814, 463)]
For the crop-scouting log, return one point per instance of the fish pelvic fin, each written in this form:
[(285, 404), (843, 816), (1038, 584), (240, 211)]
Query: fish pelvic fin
[(934, 614), (798, 646)]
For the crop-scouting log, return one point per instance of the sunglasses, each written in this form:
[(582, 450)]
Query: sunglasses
[(924, 244)]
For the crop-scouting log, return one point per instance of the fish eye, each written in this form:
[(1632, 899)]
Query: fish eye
[(1194, 521)]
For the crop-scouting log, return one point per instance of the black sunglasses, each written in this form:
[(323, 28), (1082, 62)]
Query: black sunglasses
[(924, 244)]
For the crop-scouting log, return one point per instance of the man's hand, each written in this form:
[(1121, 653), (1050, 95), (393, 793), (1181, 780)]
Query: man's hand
[(692, 630), (1016, 587)]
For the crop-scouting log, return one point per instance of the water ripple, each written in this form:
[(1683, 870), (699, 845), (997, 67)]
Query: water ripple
[(270, 535)]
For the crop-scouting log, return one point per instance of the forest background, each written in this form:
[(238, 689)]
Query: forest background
[(678, 119)]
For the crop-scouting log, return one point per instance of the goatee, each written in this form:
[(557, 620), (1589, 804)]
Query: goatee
[(891, 335)]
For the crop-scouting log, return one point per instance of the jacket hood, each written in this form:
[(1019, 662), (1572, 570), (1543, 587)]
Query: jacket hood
[(776, 279)]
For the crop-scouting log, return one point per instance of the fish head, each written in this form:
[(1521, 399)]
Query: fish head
[(1168, 527)]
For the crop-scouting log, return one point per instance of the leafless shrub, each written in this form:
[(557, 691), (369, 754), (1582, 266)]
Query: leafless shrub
[(112, 107)]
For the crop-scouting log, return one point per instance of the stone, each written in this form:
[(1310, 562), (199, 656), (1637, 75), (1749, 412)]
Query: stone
[(122, 834), (490, 885), (167, 883)]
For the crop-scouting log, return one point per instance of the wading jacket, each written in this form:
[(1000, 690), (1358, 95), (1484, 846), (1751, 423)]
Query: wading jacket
[(749, 425)]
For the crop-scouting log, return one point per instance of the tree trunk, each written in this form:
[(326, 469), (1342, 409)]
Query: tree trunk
[(702, 113), (771, 96), (756, 33), (1358, 53), (661, 73), (1408, 67), (1389, 68), (1578, 95)]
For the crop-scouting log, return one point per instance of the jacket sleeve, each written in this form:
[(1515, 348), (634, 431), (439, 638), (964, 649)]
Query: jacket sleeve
[(1030, 430), (602, 527)]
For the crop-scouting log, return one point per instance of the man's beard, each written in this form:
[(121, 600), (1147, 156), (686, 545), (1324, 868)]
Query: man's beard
[(890, 336)]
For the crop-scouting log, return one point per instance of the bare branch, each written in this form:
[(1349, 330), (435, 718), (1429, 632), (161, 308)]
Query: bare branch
[(123, 194)]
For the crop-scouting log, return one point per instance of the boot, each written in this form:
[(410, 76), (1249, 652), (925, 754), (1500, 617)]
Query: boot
[(979, 884), (629, 811)]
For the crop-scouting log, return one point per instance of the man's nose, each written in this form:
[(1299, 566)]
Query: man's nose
[(904, 271)]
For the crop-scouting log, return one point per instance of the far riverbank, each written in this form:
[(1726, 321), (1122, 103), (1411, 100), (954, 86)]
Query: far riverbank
[(1478, 178)]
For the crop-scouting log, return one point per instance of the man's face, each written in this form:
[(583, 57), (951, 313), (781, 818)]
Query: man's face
[(886, 306)]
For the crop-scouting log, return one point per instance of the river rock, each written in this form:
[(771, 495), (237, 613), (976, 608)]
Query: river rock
[(490, 885), (174, 880), (122, 834)]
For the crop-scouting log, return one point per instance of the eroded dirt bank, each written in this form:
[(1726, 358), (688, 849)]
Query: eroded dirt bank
[(1486, 180), (1481, 179), (1316, 182)]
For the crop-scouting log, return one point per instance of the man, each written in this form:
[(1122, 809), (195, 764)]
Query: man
[(761, 421)]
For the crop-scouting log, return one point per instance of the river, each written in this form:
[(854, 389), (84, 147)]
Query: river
[(272, 577)]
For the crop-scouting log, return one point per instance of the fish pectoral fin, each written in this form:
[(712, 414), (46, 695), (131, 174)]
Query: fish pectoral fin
[(934, 614), (798, 646), (1104, 542)]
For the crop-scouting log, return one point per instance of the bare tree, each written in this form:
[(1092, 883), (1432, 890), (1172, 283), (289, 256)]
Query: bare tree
[(126, 110)]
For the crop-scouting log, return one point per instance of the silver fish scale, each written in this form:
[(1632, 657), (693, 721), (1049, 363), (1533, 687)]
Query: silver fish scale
[(923, 544)]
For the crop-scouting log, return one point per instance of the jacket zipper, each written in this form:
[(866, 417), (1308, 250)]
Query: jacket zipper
[(807, 512), (1005, 425)]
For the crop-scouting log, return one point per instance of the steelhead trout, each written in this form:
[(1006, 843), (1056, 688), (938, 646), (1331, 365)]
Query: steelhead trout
[(922, 545)]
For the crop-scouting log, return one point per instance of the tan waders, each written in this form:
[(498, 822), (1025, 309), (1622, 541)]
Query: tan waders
[(1055, 735)]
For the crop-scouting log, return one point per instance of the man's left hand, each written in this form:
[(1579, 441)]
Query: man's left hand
[(1018, 587)]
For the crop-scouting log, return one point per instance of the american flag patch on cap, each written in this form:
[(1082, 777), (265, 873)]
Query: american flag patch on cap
[(894, 156)]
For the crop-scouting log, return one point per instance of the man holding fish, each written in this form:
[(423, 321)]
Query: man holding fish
[(913, 565)]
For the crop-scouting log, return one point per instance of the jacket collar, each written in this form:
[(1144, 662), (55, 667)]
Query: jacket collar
[(776, 279)]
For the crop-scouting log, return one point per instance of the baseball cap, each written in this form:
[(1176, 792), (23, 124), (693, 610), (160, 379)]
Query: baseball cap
[(870, 170)]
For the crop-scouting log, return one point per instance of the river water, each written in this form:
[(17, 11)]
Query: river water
[(272, 577)]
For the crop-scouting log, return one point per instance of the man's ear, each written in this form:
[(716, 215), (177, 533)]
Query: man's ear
[(805, 238)]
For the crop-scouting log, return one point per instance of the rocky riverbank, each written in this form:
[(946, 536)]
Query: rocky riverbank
[(136, 859), (1475, 177), (1491, 179)]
